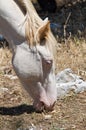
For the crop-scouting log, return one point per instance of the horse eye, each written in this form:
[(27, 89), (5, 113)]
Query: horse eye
[(43, 42)]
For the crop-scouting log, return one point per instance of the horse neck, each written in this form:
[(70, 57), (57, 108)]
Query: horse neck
[(12, 25)]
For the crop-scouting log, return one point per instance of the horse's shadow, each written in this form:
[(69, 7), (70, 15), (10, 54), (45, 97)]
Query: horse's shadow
[(17, 110)]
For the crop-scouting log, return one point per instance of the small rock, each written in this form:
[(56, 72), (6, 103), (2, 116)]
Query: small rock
[(47, 117), (3, 90)]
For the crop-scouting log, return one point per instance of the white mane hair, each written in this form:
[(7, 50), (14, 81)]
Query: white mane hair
[(36, 29)]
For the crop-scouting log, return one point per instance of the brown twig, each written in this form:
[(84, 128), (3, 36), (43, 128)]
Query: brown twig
[(65, 25)]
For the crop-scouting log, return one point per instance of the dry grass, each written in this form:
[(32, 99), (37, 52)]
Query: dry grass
[(72, 54)]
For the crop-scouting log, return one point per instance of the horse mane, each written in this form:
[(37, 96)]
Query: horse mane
[(33, 23)]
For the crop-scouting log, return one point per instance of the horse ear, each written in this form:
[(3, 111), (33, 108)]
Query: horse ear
[(43, 31)]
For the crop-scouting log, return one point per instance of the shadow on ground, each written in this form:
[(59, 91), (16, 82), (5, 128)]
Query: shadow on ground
[(17, 110)]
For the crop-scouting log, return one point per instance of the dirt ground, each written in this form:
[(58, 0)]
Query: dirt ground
[(16, 111)]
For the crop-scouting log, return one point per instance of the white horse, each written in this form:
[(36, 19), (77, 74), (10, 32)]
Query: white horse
[(33, 47)]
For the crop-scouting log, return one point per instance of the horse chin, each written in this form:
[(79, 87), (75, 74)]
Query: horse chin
[(41, 106), (38, 106)]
